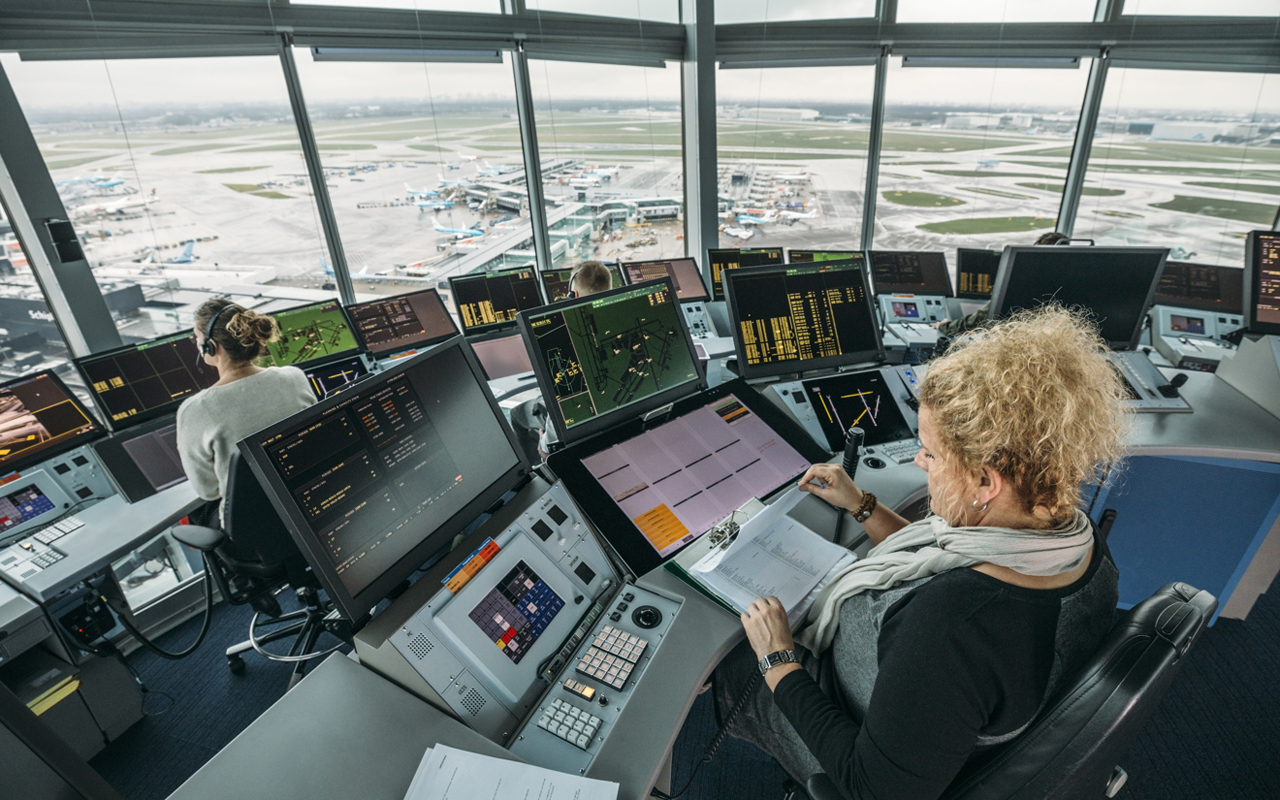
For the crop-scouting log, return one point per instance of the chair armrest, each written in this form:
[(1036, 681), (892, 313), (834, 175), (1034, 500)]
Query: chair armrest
[(198, 536), (821, 787)]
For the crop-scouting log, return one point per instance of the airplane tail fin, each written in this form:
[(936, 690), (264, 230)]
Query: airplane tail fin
[(324, 265), (190, 249)]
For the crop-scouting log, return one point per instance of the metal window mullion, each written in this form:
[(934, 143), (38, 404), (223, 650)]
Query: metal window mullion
[(315, 171), (887, 12), (698, 135), (532, 160), (1085, 128), (875, 139)]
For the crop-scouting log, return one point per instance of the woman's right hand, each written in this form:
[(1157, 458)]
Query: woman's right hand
[(833, 484)]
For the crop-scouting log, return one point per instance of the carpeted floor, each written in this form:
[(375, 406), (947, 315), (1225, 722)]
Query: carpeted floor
[(1215, 735)]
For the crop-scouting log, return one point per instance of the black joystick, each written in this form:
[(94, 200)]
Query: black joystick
[(1170, 389), (647, 617), (852, 449)]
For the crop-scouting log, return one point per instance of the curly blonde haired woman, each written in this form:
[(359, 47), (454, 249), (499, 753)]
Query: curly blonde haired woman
[(954, 630)]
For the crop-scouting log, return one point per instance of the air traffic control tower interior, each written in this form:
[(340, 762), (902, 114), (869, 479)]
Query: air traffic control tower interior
[(407, 399)]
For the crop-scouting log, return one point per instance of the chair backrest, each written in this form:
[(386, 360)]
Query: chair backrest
[(254, 527), (1080, 736)]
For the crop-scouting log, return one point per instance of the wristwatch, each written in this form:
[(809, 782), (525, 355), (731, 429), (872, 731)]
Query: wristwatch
[(774, 659)]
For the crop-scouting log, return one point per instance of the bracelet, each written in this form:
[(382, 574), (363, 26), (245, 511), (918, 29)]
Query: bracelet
[(868, 507)]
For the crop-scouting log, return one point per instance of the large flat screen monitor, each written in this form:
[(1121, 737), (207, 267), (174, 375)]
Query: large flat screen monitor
[(907, 272), (502, 356), (610, 355), (1202, 287), (734, 258), (810, 256), (139, 382), (1262, 283), (490, 301), (310, 332), (373, 481), (40, 418), (976, 273), (802, 317), (556, 281), (683, 273), (391, 325), (1115, 285), (143, 460)]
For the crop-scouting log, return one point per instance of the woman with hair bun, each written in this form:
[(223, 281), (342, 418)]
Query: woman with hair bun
[(245, 399)]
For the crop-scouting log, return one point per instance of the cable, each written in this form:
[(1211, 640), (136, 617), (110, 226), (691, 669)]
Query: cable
[(716, 740), (204, 626)]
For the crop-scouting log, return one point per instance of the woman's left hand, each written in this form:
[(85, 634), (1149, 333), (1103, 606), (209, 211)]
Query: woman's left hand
[(766, 624)]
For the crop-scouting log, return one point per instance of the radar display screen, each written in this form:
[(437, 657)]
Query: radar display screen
[(683, 273), (516, 611), (39, 418), (809, 256), (318, 330), (1201, 287), (607, 352), (1265, 286), (502, 357), (976, 273), (139, 382), (491, 300), (733, 258), (909, 273), (860, 399), (392, 324), (327, 379), (556, 281), (802, 317)]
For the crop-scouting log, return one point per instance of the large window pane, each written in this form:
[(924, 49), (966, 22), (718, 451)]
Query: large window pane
[(974, 157), (656, 10), (1184, 160), (474, 6), (609, 138), (184, 179), (1199, 8), (731, 11), (792, 150), (996, 10)]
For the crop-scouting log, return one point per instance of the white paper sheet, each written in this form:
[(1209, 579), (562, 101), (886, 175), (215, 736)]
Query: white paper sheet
[(446, 773)]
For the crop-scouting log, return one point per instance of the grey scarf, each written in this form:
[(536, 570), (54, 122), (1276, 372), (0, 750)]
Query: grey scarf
[(942, 548)]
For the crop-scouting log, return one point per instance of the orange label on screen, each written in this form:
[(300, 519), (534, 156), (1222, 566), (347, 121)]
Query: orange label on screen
[(468, 570), (660, 526)]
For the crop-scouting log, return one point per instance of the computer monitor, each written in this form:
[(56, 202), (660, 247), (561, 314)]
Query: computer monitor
[(503, 356), (375, 480), (490, 301), (908, 272), (620, 353), (976, 273), (810, 256), (143, 460), (331, 377), (1262, 283), (556, 281), (391, 325), (139, 382), (1202, 287), (1114, 284), (802, 317), (863, 399), (734, 258), (40, 418), (683, 273), (310, 332)]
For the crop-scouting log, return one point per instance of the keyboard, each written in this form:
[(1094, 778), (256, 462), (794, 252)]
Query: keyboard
[(612, 656), (577, 726), (57, 530), (902, 451)]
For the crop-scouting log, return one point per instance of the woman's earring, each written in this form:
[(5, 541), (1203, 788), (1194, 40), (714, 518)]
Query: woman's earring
[(977, 510)]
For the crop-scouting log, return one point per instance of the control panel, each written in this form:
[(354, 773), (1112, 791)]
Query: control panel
[(29, 556), (1147, 388), (1192, 339), (909, 324), (698, 320), (29, 500)]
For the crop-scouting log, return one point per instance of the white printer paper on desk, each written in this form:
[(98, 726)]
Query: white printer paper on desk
[(449, 774)]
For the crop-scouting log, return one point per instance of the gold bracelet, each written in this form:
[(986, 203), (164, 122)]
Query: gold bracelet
[(868, 507)]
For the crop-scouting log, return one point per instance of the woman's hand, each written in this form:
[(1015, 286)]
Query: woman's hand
[(767, 628), (833, 484)]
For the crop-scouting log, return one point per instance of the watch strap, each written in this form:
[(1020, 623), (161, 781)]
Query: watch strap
[(777, 658)]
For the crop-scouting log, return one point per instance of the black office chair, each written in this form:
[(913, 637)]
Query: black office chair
[(1071, 749), (252, 559)]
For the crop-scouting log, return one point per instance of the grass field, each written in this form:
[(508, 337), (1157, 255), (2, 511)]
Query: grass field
[(1088, 191), (970, 227), (998, 193), (1256, 213), (1169, 151), (980, 173), (226, 170), (1120, 214), (921, 199), (1190, 172), (73, 162), (1260, 188), (191, 148)]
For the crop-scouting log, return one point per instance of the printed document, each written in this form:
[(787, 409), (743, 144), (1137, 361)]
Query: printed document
[(446, 773)]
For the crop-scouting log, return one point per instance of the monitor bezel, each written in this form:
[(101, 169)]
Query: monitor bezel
[(97, 430), (359, 335), (368, 371), (706, 293), (1252, 277), (856, 254), (359, 348), (711, 280), (800, 366), (150, 414), (122, 470), (976, 295), (946, 272), (356, 607), (497, 326), (1010, 255), (601, 422)]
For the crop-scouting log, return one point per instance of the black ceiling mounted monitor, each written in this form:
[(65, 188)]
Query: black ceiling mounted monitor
[(1115, 285), (802, 317), (683, 273), (976, 273), (490, 301), (139, 382), (736, 258), (1202, 287), (909, 272), (309, 333), (40, 418), (392, 325), (375, 480), (1262, 283)]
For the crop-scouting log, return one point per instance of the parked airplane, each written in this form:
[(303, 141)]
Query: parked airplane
[(424, 192), (466, 157), (461, 182), (132, 203), (187, 256), (747, 219), (364, 275), (459, 233), (108, 183), (739, 233), (423, 205), (798, 215), (788, 177)]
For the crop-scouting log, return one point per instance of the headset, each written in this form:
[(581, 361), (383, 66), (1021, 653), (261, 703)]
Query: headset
[(209, 347)]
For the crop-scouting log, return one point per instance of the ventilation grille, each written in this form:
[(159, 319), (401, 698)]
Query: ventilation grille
[(473, 702), (420, 646)]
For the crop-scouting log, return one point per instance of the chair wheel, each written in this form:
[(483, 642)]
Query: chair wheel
[(235, 664)]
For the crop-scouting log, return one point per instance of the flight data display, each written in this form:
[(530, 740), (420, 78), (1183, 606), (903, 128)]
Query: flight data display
[(491, 300), (21, 506), (318, 330), (327, 379), (1201, 287), (976, 273), (733, 258), (516, 611), (400, 323), (800, 317), (810, 256), (607, 352), (909, 273), (678, 480), (860, 399), (1266, 281), (136, 383), (503, 357), (556, 281), (38, 416), (683, 273)]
